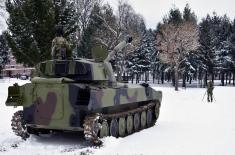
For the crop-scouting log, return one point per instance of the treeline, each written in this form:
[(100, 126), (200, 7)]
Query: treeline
[(181, 47), (198, 51)]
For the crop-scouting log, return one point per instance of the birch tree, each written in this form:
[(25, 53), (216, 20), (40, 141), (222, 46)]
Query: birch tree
[(2, 15), (175, 42)]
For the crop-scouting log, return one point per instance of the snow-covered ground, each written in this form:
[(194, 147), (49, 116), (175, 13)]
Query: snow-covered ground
[(186, 126)]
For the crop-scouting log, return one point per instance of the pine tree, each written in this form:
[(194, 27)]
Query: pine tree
[(222, 47), (207, 55), (174, 17), (190, 63), (32, 25), (189, 15), (232, 45), (4, 52), (147, 50), (65, 15)]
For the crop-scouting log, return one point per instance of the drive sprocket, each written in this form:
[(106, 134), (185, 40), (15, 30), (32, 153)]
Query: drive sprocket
[(18, 125)]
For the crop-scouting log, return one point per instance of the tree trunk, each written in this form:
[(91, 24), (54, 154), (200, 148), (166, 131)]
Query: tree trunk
[(233, 78), (153, 76), (199, 77), (230, 75), (136, 78), (184, 80), (173, 77), (205, 80), (132, 78), (162, 77), (158, 79), (212, 76), (148, 75), (226, 79), (168, 77), (222, 78), (176, 78), (145, 76)]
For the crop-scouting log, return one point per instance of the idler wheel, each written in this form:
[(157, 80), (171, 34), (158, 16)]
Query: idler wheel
[(149, 118), (143, 119), (122, 126), (129, 124), (114, 128), (137, 121), (104, 131)]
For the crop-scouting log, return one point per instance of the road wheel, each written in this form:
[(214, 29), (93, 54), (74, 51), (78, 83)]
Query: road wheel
[(104, 131), (129, 124), (143, 119), (137, 121), (122, 127), (149, 118), (114, 128)]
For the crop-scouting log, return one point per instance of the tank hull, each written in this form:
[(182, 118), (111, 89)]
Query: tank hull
[(64, 106), (60, 104)]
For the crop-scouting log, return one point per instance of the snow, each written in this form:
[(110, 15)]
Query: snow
[(186, 126)]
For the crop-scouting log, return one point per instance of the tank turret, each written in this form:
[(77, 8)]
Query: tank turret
[(82, 95), (81, 70)]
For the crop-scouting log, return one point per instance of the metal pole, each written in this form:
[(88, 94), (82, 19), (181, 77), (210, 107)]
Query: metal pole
[(214, 98), (204, 96)]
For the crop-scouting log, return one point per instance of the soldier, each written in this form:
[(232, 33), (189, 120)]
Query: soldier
[(60, 46), (210, 88)]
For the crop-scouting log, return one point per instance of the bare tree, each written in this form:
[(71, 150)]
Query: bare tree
[(83, 10), (2, 15), (115, 28), (129, 23), (2, 8), (175, 42), (112, 28)]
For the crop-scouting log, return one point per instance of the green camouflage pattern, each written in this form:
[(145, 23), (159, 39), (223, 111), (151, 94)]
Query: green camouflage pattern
[(58, 103), (80, 69)]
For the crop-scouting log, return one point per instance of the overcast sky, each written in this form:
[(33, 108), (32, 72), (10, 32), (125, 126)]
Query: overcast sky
[(154, 10)]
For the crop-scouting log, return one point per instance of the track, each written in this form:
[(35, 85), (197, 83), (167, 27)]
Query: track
[(100, 125), (121, 124)]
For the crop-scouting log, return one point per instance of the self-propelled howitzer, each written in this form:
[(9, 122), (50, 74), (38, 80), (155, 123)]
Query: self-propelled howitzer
[(82, 95)]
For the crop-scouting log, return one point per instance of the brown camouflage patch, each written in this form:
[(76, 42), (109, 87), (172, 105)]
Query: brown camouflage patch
[(45, 110)]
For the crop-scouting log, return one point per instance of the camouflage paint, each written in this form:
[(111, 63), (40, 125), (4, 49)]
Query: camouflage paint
[(79, 69), (60, 98)]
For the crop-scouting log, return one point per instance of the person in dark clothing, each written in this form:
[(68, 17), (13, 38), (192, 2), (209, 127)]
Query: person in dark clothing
[(60, 46), (210, 87)]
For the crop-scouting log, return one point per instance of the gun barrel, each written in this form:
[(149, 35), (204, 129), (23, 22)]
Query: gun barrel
[(119, 47)]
